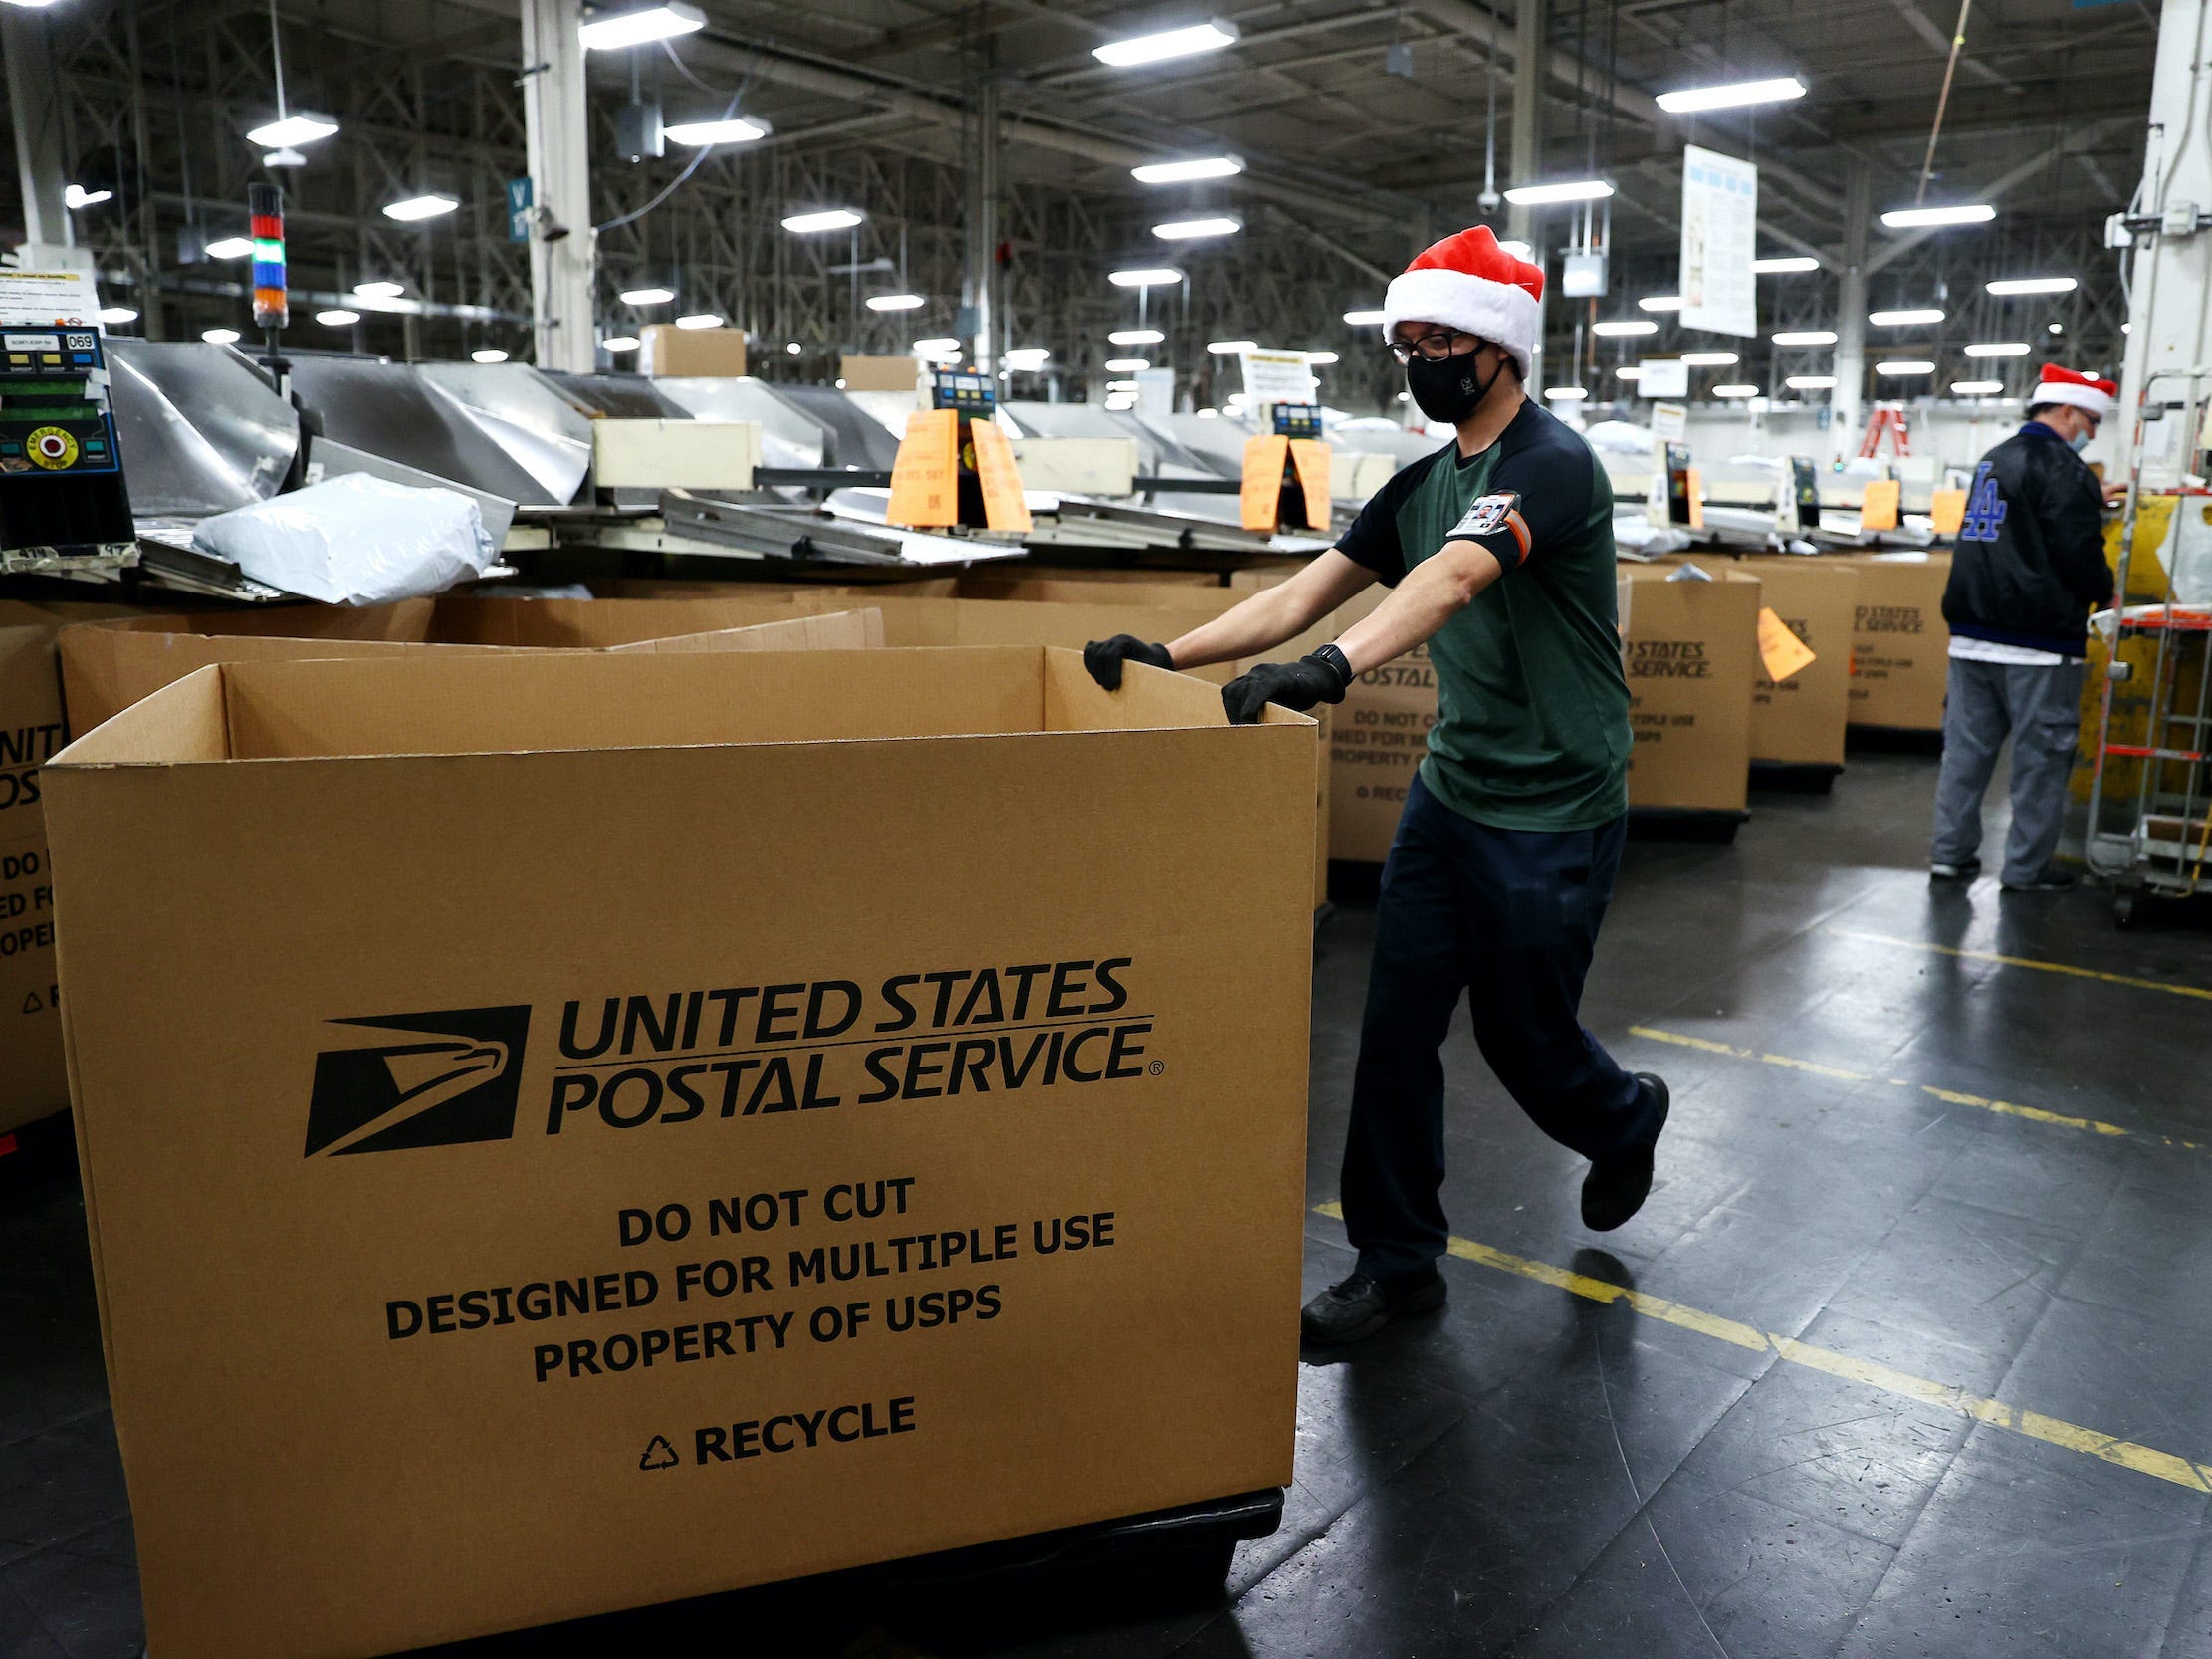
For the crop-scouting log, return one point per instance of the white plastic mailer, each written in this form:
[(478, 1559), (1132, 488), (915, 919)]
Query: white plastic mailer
[(354, 540)]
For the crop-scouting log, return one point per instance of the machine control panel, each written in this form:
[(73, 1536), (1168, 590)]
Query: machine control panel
[(54, 413), (970, 393)]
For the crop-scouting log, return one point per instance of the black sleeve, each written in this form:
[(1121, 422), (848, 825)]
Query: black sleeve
[(2074, 531), (1555, 482), (1372, 540)]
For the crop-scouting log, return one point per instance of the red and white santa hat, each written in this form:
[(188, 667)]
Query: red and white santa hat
[(1467, 282), (2064, 385)]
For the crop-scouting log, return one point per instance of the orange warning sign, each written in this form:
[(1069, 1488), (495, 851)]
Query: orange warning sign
[(1947, 510), (925, 479), (1004, 507), (1261, 499), (1877, 510), (1780, 650)]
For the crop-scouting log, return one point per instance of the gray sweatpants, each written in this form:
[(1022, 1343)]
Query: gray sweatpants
[(2040, 705)]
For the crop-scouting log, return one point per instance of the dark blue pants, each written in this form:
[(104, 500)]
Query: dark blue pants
[(1510, 918)]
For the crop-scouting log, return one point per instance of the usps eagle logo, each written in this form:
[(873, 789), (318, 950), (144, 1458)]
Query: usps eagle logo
[(454, 1077)]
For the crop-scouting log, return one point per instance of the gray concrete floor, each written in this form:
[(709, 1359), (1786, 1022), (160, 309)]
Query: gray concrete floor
[(1916, 1364)]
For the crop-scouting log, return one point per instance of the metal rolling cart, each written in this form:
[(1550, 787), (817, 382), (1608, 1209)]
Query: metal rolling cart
[(2154, 839)]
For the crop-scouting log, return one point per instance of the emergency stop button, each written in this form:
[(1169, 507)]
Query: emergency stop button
[(51, 448)]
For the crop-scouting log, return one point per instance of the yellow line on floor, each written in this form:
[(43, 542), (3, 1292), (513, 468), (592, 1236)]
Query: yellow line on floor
[(2034, 1115), (2197, 991), (2032, 1425)]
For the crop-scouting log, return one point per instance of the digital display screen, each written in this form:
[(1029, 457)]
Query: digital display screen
[(48, 413), (13, 390)]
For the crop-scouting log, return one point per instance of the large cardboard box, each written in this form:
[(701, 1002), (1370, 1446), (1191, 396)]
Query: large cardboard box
[(1901, 648), (760, 1169), (1800, 721), (108, 666), (859, 373), (1692, 659), (665, 350)]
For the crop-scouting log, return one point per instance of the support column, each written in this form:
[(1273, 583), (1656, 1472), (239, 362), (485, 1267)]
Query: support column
[(1531, 24), (41, 169), (979, 281), (2172, 282), (556, 126), (1848, 399)]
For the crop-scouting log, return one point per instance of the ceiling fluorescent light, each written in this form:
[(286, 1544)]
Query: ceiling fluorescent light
[(1209, 36), (1184, 230), (1545, 196), (1998, 349), (1908, 218), (1520, 250), (117, 314), (700, 320), (1785, 263), (1231, 348), (1905, 319), (1628, 326), (1733, 96), (1903, 366), (1187, 172), (698, 135), (1811, 382), (382, 289), (896, 302), (416, 208), (1364, 319), (1150, 276), (75, 197), (1977, 388), (612, 31), (1735, 391), (1135, 337), (298, 128), (337, 317), (1565, 395), (1127, 366), (619, 342), (229, 247), (220, 336), (1321, 360), (647, 296), (827, 218), (1804, 337), (487, 354), (1629, 371), (1709, 360), (2034, 285), (1661, 301)]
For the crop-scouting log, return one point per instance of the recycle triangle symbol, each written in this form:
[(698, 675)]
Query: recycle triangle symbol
[(31, 1003), (659, 1455)]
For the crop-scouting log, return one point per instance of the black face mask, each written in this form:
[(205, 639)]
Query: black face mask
[(1448, 392)]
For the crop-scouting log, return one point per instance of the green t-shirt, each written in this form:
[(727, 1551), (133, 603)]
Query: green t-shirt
[(1532, 708)]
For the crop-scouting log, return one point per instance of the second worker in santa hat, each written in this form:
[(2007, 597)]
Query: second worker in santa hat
[(1498, 548), (2028, 570)]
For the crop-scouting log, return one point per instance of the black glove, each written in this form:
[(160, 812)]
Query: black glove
[(1320, 678), (1104, 657)]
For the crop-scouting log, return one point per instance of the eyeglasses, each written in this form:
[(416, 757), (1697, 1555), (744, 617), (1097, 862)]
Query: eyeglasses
[(1433, 348)]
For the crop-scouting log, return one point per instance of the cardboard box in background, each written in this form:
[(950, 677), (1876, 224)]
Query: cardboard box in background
[(443, 1079), (667, 351), (880, 374), (31, 1084), (1801, 721), (1693, 658), (108, 666), (1901, 648)]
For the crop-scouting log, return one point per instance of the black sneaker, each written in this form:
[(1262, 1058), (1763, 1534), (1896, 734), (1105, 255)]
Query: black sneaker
[(1357, 1307), (1616, 1187), (1966, 871), (2050, 882)]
